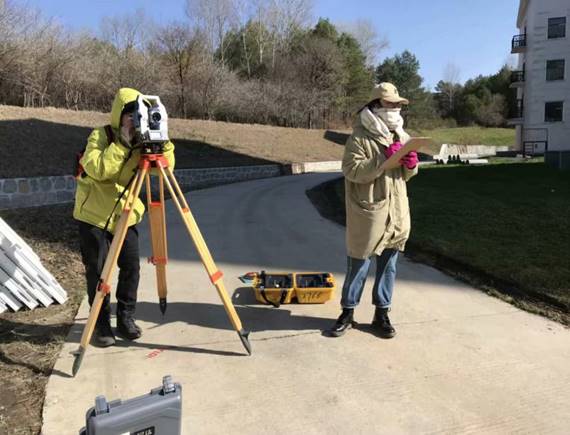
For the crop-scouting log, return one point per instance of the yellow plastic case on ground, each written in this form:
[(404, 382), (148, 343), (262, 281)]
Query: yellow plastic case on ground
[(273, 288), (282, 288), (314, 288)]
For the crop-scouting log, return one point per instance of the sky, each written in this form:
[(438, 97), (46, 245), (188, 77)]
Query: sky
[(473, 35)]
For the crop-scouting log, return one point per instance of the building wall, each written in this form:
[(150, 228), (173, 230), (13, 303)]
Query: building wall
[(537, 91)]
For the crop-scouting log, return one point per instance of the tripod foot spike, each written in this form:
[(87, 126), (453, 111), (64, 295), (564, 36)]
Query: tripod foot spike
[(78, 355), (244, 337), (162, 304)]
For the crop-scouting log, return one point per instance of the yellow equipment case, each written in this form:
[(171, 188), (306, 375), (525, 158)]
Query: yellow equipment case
[(314, 288), (282, 288)]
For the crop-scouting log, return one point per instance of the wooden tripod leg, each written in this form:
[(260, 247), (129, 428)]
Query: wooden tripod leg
[(213, 272), (156, 215), (110, 262)]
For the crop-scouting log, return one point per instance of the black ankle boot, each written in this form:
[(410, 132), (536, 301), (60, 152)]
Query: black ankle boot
[(103, 335), (127, 327), (343, 323), (381, 323)]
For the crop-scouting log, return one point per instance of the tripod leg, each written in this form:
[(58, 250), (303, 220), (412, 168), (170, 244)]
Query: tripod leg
[(213, 272), (157, 222), (110, 263)]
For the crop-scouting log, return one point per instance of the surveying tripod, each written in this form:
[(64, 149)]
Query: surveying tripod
[(155, 159)]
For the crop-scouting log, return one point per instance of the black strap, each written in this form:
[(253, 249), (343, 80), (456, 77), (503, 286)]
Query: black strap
[(269, 301), (110, 134)]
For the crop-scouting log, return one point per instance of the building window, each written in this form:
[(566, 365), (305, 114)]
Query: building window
[(556, 27), (553, 111), (555, 70)]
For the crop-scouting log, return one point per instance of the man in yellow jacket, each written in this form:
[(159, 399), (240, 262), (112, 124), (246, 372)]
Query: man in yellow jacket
[(109, 163), (377, 210)]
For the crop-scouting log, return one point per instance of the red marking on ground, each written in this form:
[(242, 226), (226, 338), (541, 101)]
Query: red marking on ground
[(155, 353)]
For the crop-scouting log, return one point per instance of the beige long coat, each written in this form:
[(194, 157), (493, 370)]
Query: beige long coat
[(377, 209)]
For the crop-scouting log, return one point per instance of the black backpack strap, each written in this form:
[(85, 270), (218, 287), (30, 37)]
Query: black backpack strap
[(269, 301), (110, 134)]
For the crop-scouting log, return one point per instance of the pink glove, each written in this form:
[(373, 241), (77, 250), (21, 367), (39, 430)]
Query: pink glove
[(388, 152), (410, 160)]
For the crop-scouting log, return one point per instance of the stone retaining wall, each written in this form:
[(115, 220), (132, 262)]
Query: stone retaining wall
[(37, 191)]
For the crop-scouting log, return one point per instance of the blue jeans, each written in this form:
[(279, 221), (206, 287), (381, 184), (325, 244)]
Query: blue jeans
[(357, 272)]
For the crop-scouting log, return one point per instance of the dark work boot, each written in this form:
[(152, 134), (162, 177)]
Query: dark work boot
[(127, 327), (103, 335), (343, 323), (381, 323)]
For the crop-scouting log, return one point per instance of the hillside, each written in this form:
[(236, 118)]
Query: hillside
[(39, 142)]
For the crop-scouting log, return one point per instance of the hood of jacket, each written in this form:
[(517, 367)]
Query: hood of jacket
[(123, 97)]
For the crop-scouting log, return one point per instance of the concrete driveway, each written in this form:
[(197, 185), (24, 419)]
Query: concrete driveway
[(462, 362)]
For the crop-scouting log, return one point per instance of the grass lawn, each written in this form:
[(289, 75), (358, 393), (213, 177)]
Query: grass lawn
[(471, 136), (504, 227)]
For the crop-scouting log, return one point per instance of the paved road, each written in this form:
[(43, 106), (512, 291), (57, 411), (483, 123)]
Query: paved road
[(462, 362)]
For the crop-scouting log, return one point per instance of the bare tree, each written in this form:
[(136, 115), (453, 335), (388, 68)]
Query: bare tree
[(128, 62), (371, 43), (179, 47), (128, 32), (261, 35), (244, 11), (254, 20), (284, 17), (215, 18), (208, 78), (451, 73), (16, 26), (43, 51), (450, 87)]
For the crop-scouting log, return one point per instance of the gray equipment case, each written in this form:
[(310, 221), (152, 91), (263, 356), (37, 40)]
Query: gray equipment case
[(156, 413)]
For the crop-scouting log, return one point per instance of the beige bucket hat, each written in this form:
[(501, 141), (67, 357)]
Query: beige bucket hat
[(387, 91)]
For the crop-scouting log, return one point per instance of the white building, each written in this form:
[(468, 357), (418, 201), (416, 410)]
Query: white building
[(542, 118)]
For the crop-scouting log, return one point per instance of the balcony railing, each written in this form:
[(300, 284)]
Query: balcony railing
[(518, 43), (517, 76), (518, 110)]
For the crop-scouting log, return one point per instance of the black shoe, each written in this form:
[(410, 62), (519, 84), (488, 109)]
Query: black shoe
[(381, 323), (127, 327), (343, 323), (103, 335)]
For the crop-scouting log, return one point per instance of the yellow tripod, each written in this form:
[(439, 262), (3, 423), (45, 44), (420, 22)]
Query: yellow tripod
[(159, 248)]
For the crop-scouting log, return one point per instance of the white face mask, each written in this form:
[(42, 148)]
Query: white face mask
[(391, 117)]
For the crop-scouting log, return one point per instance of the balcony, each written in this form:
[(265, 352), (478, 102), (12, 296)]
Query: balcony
[(517, 79), (516, 115), (518, 44)]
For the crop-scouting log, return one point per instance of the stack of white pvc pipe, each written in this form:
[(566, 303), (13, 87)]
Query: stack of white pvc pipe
[(24, 282)]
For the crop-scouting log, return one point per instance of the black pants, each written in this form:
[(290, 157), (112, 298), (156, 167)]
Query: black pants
[(94, 244)]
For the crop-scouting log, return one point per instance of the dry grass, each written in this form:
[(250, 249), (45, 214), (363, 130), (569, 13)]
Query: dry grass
[(279, 144), (38, 142), (30, 341)]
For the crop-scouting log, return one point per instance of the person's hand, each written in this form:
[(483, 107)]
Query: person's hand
[(410, 160), (391, 150)]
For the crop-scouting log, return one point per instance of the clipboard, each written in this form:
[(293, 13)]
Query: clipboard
[(413, 144)]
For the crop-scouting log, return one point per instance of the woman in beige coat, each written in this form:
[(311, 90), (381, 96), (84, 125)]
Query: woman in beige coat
[(377, 210)]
